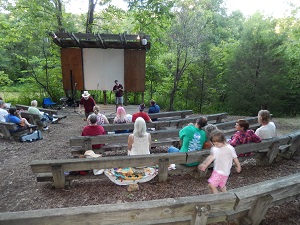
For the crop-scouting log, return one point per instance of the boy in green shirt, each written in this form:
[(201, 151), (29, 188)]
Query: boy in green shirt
[(192, 138)]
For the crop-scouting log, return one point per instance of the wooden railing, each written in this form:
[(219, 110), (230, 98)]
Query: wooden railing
[(247, 205)]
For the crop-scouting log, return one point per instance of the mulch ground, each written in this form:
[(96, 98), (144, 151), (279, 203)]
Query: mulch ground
[(20, 191)]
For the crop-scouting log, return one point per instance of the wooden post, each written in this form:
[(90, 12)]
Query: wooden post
[(58, 176), (104, 98), (203, 173), (143, 97), (87, 144), (125, 99), (163, 169), (5, 132), (273, 151), (295, 146), (258, 210), (201, 215), (219, 119)]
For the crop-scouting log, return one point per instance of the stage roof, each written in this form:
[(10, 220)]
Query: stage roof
[(91, 40)]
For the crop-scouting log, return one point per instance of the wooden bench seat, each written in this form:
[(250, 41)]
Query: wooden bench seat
[(163, 160), (36, 119), (5, 127)]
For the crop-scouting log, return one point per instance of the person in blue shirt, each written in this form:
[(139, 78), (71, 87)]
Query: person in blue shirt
[(14, 117), (154, 108)]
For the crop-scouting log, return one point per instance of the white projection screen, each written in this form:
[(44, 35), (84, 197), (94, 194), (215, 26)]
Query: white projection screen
[(102, 67)]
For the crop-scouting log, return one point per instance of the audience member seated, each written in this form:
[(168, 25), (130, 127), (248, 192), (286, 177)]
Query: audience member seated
[(267, 129), (139, 142), (121, 117), (142, 114), (243, 136), (45, 117), (154, 108), (22, 123), (101, 118), (192, 138), (93, 129), (208, 129), (3, 112)]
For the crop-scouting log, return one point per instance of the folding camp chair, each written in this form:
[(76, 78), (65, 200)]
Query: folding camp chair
[(47, 102)]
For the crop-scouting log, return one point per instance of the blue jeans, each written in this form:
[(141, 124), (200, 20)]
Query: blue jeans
[(46, 118), (172, 149)]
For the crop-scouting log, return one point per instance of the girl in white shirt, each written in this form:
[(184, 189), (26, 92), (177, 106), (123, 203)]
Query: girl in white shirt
[(222, 154)]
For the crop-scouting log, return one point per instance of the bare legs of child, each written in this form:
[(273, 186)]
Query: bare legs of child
[(214, 190)]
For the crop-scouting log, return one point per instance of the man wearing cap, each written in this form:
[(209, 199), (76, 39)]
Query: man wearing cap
[(88, 103), (142, 114), (118, 89), (3, 112)]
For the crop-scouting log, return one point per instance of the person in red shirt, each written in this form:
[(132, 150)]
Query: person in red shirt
[(93, 129), (88, 103), (142, 114)]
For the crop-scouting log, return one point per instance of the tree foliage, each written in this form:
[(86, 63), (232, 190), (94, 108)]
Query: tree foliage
[(201, 57)]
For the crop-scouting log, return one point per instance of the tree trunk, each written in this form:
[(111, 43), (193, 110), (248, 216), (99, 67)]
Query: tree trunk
[(59, 15), (90, 16)]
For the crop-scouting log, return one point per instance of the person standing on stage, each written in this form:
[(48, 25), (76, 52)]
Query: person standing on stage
[(118, 89)]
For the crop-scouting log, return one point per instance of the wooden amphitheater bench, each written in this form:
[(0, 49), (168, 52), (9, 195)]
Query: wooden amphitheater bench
[(159, 137), (168, 123), (245, 205), (49, 111), (36, 119), (164, 115), (264, 152), (5, 127), (53, 170), (56, 168)]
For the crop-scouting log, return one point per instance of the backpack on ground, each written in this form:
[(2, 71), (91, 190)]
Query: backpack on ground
[(34, 136)]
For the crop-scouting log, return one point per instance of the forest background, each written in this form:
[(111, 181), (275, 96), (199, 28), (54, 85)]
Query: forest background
[(202, 57)]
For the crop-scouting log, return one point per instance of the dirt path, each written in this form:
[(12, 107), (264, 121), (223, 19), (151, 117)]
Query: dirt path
[(20, 191)]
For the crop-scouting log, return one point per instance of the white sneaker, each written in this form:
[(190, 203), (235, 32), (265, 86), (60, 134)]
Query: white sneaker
[(54, 119), (45, 128)]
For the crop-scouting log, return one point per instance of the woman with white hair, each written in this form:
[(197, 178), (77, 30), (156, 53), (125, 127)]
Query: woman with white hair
[(139, 142)]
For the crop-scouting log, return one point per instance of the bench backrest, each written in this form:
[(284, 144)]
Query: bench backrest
[(49, 111), (154, 158), (162, 124), (87, 141), (163, 160), (181, 113)]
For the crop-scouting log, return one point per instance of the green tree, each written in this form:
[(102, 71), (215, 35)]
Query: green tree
[(256, 72)]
